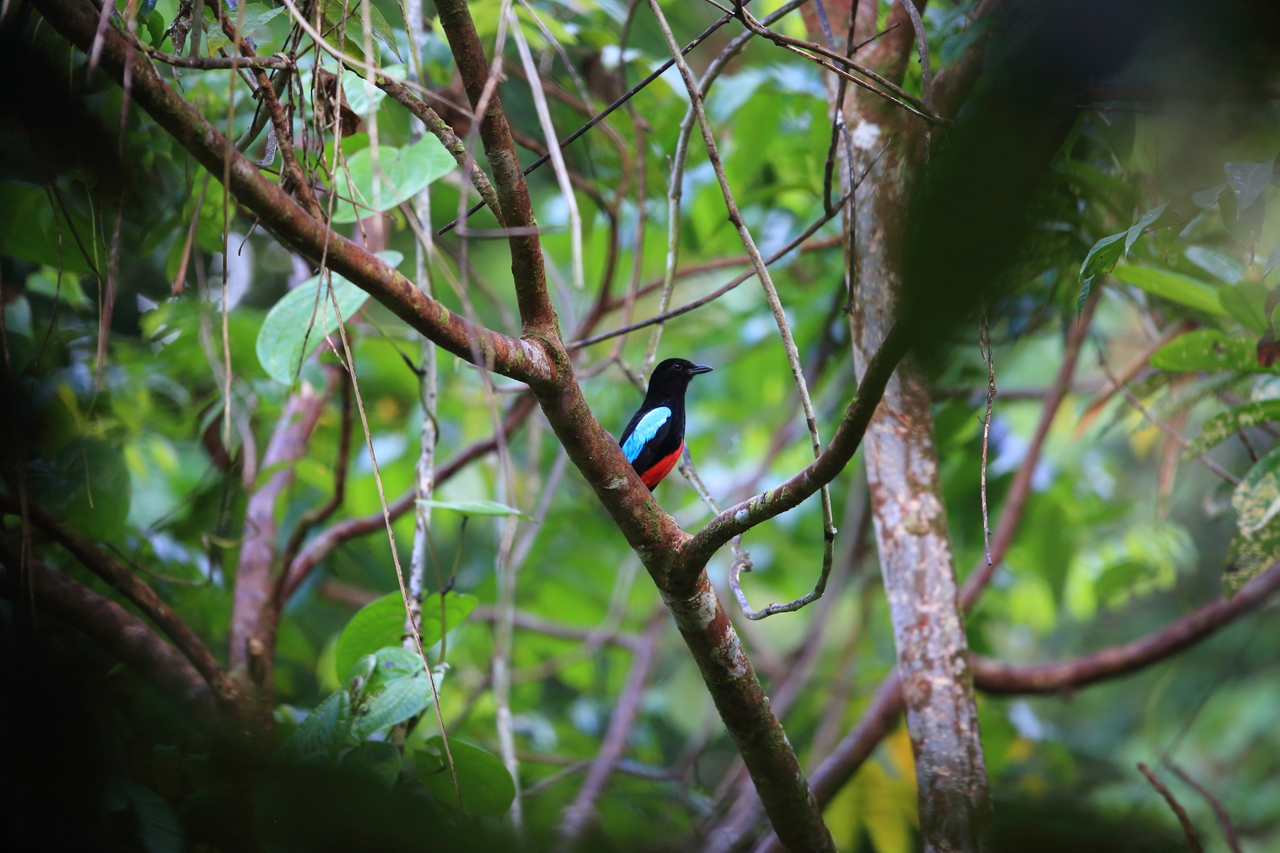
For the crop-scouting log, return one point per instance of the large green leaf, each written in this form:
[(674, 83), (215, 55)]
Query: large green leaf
[(1223, 425), (1172, 286), (304, 317), (380, 624), (483, 781), (1256, 544), (86, 484), (402, 173), (1207, 349)]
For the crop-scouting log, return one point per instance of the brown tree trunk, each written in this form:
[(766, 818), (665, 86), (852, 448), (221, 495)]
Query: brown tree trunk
[(902, 474)]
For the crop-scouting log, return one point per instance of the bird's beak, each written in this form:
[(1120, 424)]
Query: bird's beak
[(700, 368)]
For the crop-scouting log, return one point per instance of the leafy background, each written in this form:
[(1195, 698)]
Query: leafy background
[(1117, 540)]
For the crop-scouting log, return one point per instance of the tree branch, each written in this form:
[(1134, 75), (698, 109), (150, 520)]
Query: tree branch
[(1182, 633), (134, 589), (125, 637), (284, 217)]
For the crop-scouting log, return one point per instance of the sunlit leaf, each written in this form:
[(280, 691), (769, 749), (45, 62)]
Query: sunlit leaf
[(484, 782), (304, 317), (1206, 349), (401, 699)]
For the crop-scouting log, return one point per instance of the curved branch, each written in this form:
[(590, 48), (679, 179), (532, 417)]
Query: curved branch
[(134, 589), (284, 217), (743, 516), (1004, 678), (126, 637)]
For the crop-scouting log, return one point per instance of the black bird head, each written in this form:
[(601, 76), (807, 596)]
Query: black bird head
[(673, 375)]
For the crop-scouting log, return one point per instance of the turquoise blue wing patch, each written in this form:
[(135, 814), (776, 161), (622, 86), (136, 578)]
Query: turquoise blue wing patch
[(645, 431)]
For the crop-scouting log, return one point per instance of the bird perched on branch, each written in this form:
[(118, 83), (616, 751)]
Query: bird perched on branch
[(654, 439)]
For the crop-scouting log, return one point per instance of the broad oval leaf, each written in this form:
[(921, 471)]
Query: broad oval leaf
[(1248, 180), (380, 624), (377, 761), (304, 317), (403, 172), (86, 484), (476, 507), (1172, 286), (483, 781), (1206, 349), (251, 17)]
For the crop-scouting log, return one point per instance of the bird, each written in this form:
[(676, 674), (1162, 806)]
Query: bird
[(654, 439)]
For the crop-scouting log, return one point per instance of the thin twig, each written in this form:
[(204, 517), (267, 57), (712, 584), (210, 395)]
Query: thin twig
[(1219, 810), (1193, 840), (607, 111), (984, 347)]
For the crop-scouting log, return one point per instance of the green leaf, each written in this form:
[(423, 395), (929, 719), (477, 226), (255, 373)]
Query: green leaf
[(403, 172), (155, 27), (403, 698), (1222, 426), (380, 624), (1215, 264), (334, 13), (303, 318), (1256, 544), (1207, 349), (325, 730), (1144, 222), (86, 484), (1172, 286), (1102, 257), (476, 507), (485, 784), (1246, 302), (254, 16)]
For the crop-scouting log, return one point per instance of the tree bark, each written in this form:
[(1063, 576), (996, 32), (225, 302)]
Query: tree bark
[(909, 518)]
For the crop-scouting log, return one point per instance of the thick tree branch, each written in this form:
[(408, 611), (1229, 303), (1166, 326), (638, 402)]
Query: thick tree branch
[(284, 217), (134, 589), (536, 310), (125, 637)]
